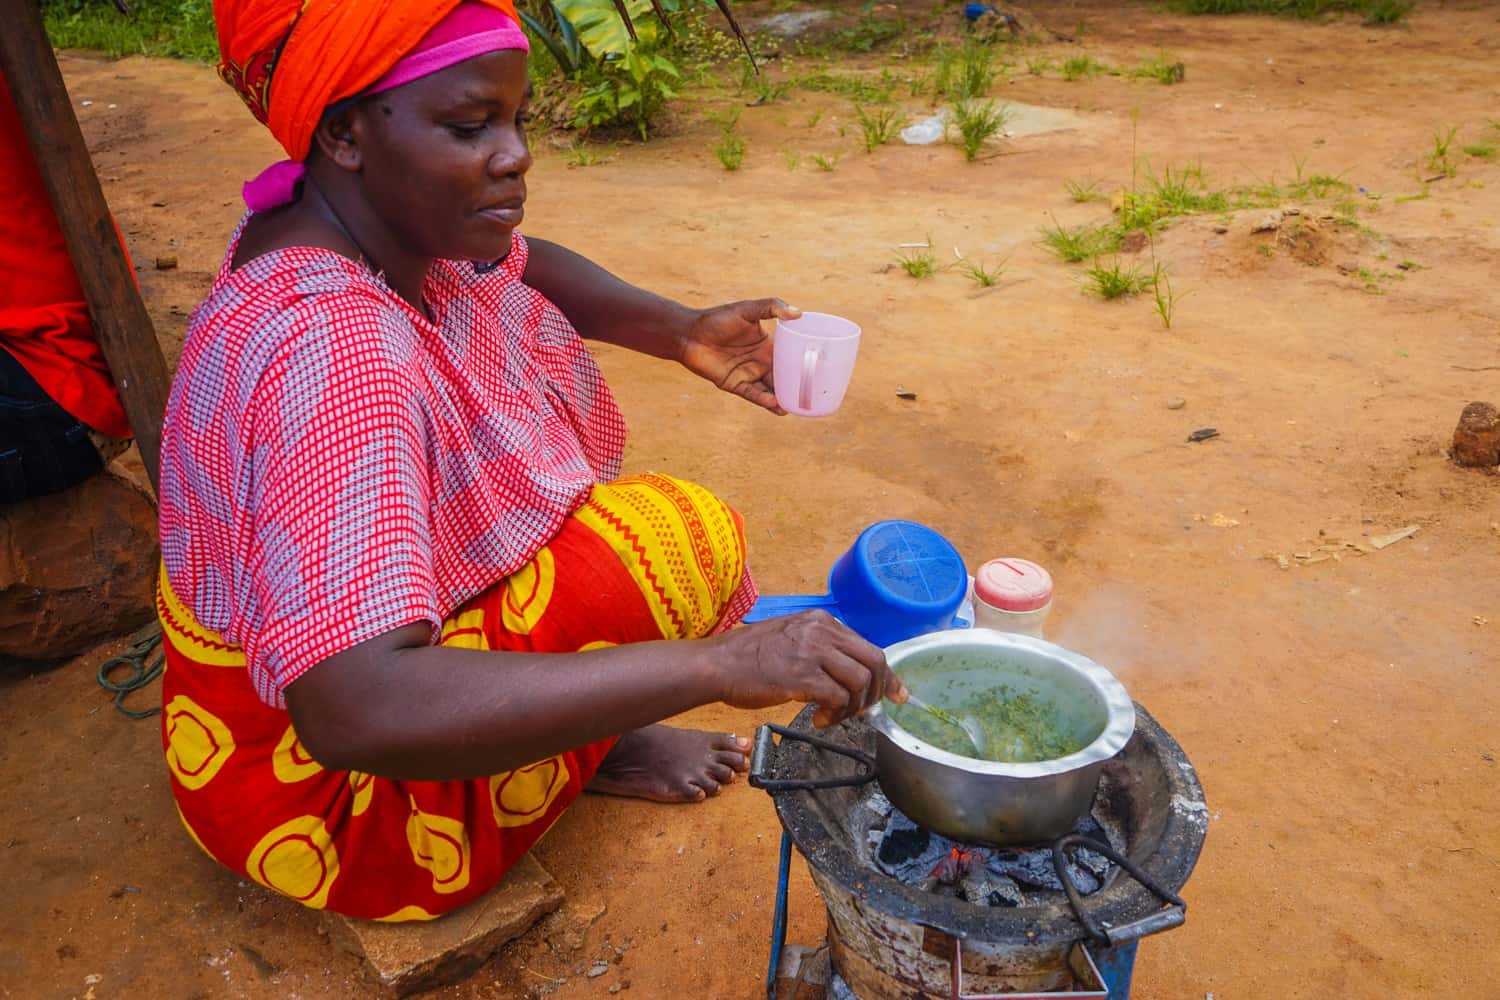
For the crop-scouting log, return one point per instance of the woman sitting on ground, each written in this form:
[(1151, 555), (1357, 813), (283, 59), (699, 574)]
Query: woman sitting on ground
[(411, 612)]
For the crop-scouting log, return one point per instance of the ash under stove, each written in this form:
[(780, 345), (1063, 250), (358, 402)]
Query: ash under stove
[(975, 873)]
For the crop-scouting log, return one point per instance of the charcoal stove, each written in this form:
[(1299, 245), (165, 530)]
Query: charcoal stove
[(891, 939)]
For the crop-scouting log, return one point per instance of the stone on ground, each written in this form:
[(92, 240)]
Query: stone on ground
[(1476, 439), (412, 957), (76, 568)]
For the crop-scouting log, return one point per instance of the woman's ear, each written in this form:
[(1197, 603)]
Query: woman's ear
[(338, 138)]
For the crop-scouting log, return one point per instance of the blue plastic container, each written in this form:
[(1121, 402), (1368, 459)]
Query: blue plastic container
[(898, 580)]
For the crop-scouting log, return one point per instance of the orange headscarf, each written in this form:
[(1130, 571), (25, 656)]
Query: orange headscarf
[(291, 59)]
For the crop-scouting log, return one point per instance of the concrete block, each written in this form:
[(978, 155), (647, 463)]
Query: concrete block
[(413, 957)]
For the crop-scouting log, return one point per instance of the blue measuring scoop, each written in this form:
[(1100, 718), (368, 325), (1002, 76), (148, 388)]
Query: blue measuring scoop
[(898, 580)]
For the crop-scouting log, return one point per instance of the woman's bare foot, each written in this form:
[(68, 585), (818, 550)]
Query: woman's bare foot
[(664, 764)]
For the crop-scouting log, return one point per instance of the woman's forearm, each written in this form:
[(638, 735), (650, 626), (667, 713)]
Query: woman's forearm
[(603, 307), (439, 713)]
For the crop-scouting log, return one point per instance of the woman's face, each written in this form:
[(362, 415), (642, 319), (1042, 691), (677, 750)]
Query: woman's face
[(443, 159)]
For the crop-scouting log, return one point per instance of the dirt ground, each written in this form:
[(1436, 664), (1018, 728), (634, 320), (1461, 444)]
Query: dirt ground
[(1342, 714)]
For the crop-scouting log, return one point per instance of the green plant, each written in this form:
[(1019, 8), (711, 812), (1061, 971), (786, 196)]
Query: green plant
[(977, 272), (762, 87), (1387, 11), (631, 90), (580, 155), (1481, 150), (1083, 191), (965, 73), (726, 119), (1080, 67), (826, 163), (1160, 69), (731, 151), (852, 87), (182, 29), (976, 123), (1439, 161), (1375, 11), (918, 263), (814, 118), (793, 159), (1112, 281), (868, 34), (879, 126), (1081, 242), (1038, 65)]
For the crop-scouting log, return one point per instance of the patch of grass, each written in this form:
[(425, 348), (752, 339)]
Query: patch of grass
[(731, 151), (1375, 11), (581, 155), (966, 72), (1387, 11), (868, 34), (826, 163), (1039, 65), (977, 272), (918, 263), (793, 159), (1439, 161), (1081, 242), (878, 126), (1083, 191), (726, 119), (1484, 150), (1267, 250), (1114, 280), (1161, 70), (1182, 192), (855, 88), (766, 90), (1163, 295), (976, 123), (180, 28), (1081, 67), (814, 118)]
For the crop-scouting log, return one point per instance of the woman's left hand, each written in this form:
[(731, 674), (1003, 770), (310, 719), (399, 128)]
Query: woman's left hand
[(727, 346)]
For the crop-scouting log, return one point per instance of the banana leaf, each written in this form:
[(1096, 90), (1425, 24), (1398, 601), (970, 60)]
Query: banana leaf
[(602, 29)]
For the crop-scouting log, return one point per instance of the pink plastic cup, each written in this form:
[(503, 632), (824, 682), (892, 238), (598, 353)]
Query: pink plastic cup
[(813, 360)]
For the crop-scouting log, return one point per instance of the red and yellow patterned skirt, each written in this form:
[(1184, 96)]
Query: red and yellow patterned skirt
[(644, 558)]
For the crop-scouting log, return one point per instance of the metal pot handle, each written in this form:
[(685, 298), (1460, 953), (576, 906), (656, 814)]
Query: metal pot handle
[(762, 758), (1164, 919)]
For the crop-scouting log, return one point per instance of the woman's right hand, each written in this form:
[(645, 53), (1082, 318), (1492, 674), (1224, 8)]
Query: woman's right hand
[(807, 657)]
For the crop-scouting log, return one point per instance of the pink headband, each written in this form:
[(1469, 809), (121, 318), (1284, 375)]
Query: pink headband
[(472, 29)]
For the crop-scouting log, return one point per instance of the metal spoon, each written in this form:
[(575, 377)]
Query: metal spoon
[(967, 723)]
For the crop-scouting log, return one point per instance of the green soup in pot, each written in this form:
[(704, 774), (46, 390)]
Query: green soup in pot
[(1027, 714)]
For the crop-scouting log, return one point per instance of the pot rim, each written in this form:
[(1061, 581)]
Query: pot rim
[(1119, 709)]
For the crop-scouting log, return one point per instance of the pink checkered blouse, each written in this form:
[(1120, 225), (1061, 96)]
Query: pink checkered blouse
[(335, 466)]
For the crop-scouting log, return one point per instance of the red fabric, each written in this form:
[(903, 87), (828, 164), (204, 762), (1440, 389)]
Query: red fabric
[(44, 321), (646, 558), (335, 465)]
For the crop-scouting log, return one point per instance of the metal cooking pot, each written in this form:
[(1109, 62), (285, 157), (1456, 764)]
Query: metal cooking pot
[(999, 803)]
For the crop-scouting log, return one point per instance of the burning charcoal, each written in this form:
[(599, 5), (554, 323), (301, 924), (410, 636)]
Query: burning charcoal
[(987, 889), (903, 845), (1032, 869), (900, 862)]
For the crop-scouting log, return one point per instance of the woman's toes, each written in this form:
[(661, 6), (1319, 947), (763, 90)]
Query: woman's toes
[(730, 759), (720, 773)]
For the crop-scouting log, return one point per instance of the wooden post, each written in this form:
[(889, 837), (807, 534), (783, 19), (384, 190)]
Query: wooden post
[(121, 324)]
